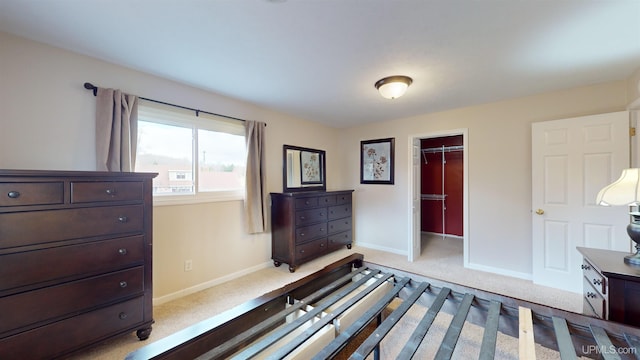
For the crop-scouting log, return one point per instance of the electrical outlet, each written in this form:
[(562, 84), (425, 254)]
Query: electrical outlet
[(188, 265)]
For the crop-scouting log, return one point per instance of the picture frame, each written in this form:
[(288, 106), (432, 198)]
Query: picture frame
[(377, 159), (310, 169)]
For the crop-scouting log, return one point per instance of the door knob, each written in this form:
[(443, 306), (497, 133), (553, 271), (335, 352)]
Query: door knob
[(539, 211)]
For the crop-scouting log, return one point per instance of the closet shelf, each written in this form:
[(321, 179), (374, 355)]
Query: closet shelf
[(433, 196), (443, 149)]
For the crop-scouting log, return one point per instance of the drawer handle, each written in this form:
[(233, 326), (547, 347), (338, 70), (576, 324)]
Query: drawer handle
[(122, 315), (123, 284), (123, 219), (585, 267), (122, 251), (301, 234), (597, 282), (591, 295), (13, 194), (302, 217), (322, 245), (302, 251), (111, 192)]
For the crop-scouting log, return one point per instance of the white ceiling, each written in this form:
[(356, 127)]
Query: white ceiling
[(319, 59)]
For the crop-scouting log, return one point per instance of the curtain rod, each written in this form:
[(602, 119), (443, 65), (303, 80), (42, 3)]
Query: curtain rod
[(90, 86)]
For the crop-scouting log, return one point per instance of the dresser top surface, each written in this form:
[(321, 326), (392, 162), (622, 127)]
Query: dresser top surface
[(610, 262), (72, 174), (312, 193)]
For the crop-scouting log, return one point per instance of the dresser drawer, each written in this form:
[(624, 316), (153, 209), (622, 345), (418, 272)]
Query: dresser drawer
[(339, 211), (305, 203), (54, 339), (311, 249), (84, 192), (19, 194), (37, 227), (41, 266), (592, 298), (339, 240), (307, 233), (340, 225), (312, 216), (53, 302), (596, 279), (327, 200), (343, 199)]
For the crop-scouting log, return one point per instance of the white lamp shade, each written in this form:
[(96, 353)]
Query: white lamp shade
[(393, 90), (624, 191)]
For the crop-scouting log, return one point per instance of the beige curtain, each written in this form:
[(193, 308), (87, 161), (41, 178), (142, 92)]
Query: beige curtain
[(116, 130), (254, 203)]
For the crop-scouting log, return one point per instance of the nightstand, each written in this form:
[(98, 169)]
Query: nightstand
[(611, 287)]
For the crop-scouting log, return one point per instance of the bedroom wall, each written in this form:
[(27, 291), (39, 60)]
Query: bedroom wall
[(499, 150), (48, 123)]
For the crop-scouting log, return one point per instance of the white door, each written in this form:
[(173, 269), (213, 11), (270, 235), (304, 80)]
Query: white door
[(416, 248), (572, 159)]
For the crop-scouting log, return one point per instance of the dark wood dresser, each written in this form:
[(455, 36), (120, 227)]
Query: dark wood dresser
[(611, 287), (75, 260), (306, 225)]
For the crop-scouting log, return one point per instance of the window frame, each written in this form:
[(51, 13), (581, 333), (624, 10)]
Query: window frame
[(175, 116)]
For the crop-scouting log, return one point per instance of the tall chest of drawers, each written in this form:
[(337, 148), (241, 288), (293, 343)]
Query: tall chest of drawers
[(75, 260), (307, 225), (611, 287)]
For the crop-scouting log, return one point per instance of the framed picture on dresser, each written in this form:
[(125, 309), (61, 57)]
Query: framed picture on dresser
[(310, 170), (377, 161)]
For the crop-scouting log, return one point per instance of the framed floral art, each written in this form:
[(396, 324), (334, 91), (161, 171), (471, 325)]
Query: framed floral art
[(310, 170), (377, 161)]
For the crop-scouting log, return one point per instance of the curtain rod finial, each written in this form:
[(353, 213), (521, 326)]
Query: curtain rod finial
[(90, 86)]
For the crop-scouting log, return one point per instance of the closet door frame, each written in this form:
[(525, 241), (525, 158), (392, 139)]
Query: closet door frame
[(414, 241)]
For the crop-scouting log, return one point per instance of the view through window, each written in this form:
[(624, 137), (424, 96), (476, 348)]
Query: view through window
[(172, 143)]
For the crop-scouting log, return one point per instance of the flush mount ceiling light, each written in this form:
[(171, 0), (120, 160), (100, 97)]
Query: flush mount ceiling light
[(393, 87)]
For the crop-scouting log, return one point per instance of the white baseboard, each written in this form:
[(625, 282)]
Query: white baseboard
[(194, 289), (499, 271), (381, 248)]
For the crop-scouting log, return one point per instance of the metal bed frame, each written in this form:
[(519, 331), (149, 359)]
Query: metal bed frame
[(280, 323)]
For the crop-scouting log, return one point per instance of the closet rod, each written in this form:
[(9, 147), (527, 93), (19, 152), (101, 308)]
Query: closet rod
[(443, 149), (90, 86)]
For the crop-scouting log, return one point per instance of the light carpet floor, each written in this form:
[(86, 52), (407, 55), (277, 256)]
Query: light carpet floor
[(441, 259)]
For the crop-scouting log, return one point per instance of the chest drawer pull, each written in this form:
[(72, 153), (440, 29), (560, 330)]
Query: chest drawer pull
[(13, 194), (122, 251), (585, 267), (597, 281), (123, 219), (123, 284), (111, 192), (591, 295), (122, 315)]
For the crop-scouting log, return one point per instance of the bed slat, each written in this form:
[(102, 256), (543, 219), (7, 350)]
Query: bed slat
[(418, 335), (490, 336), (455, 328), (278, 318), (354, 329), (565, 345), (276, 335), (604, 343), (634, 344), (527, 348), (381, 331)]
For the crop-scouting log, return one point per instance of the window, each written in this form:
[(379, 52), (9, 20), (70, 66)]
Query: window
[(197, 158)]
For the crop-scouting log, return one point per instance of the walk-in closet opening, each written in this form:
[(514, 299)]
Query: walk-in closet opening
[(441, 193)]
